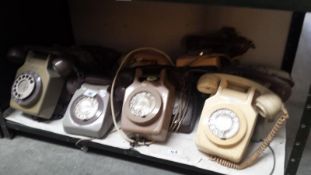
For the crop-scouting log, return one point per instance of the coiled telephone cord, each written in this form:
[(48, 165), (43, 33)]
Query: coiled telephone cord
[(183, 102), (265, 143), (132, 142)]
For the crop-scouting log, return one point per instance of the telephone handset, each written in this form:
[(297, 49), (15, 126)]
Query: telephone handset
[(229, 116), (38, 84), (146, 57), (88, 112), (267, 104), (148, 106)]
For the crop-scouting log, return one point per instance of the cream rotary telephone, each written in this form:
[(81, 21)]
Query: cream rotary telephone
[(229, 117), (88, 113), (38, 84)]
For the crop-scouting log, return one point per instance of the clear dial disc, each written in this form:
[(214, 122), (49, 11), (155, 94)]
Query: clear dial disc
[(224, 123), (142, 104), (86, 108)]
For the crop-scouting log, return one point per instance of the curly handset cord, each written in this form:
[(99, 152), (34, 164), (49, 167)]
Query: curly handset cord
[(180, 115), (123, 62), (264, 144)]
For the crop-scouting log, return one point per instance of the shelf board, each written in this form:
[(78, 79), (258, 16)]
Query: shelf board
[(291, 5), (179, 150)]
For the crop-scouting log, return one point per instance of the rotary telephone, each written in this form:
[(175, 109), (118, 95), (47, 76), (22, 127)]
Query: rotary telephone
[(229, 117), (38, 84), (88, 112), (148, 101), (147, 107)]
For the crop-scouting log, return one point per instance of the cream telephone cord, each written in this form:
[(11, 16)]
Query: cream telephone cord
[(265, 143), (123, 62)]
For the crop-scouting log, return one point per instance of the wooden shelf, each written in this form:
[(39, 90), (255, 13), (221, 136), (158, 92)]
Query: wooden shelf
[(291, 5)]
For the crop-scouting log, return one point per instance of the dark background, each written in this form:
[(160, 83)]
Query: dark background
[(30, 22)]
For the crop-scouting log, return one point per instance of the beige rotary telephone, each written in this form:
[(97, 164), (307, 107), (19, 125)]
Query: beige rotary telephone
[(229, 117), (147, 107), (148, 101), (38, 84)]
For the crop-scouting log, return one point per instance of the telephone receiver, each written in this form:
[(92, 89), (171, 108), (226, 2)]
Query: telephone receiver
[(267, 104), (148, 56), (62, 66), (18, 54)]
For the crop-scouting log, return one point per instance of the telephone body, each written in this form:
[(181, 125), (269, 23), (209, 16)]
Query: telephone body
[(229, 116), (88, 113), (37, 86), (148, 106)]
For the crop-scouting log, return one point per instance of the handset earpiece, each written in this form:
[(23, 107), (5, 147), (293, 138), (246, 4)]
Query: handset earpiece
[(17, 55), (268, 105), (62, 66), (208, 84)]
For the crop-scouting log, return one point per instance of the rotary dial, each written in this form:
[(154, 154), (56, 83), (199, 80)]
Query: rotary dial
[(224, 123), (86, 108), (142, 104), (23, 86)]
